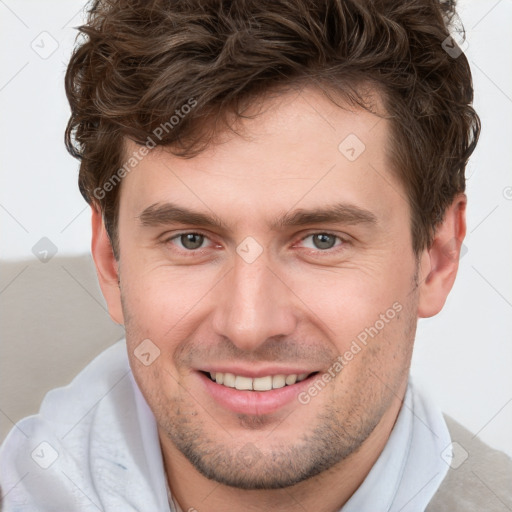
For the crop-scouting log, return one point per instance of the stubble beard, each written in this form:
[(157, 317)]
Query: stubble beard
[(339, 431)]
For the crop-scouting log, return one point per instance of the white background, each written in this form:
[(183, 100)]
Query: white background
[(463, 357)]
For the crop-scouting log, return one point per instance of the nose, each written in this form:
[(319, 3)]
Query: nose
[(253, 305)]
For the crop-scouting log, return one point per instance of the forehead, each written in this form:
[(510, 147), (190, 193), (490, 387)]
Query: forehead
[(299, 149)]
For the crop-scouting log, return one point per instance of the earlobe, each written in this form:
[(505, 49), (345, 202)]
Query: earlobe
[(440, 262), (106, 267)]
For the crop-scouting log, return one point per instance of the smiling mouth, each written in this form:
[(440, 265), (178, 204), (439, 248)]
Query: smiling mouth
[(266, 383)]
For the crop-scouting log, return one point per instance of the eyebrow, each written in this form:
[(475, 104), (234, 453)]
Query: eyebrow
[(160, 214), (338, 213)]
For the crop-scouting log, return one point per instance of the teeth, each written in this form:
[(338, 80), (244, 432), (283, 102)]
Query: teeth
[(262, 383), (278, 381), (290, 379), (242, 383), (258, 384), (229, 380)]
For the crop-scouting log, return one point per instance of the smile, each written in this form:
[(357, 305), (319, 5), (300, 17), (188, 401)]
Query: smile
[(265, 383), (264, 392)]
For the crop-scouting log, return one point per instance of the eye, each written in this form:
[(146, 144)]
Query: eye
[(189, 241), (322, 241)]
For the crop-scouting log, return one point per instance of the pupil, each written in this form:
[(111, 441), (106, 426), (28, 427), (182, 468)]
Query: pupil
[(192, 240), (323, 241)]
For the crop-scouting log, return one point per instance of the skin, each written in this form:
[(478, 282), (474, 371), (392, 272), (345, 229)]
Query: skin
[(296, 303)]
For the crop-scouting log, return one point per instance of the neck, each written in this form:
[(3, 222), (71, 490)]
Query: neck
[(326, 492)]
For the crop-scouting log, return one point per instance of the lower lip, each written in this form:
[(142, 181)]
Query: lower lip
[(254, 402)]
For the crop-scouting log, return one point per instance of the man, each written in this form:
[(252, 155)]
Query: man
[(277, 194)]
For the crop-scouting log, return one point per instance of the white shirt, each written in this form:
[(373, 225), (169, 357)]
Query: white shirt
[(94, 446)]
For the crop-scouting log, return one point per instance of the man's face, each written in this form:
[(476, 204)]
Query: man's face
[(269, 289)]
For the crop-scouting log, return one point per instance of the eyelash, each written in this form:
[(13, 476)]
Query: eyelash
[(330, 251)]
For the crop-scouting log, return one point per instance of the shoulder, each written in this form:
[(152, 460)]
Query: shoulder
[(44, 451), (62, 407), (479, 477)]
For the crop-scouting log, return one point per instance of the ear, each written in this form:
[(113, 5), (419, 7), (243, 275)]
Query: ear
[(440, 262), (107, 267)]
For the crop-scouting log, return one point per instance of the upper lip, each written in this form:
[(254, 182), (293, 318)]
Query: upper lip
[(256, 372)]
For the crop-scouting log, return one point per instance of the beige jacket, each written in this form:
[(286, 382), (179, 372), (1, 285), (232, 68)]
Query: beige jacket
[(482, 483)]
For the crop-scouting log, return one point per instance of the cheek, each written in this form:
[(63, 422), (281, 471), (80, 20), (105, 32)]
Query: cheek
[(160, 302), (346, 302), (155, 294)]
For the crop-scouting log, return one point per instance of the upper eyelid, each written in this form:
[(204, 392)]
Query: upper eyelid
[(169, 236), (342, 239), (181, 233), (341, 236), (198, 232), (302, 237), (322, 233)]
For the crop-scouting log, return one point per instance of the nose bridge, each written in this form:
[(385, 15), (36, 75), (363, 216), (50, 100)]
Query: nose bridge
[(254, 306)]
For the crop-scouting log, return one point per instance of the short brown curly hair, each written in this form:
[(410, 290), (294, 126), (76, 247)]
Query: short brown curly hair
[(140, 62)]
